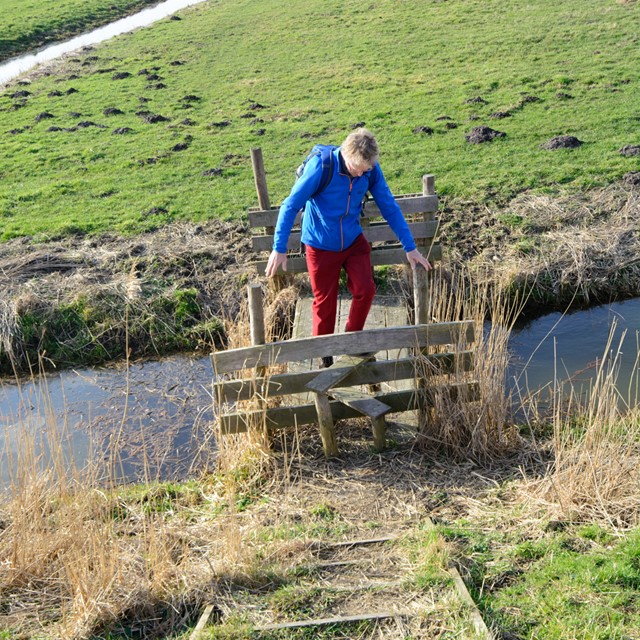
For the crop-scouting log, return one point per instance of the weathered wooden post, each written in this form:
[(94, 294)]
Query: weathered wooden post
[(258, 336), (260, 178), (421, 299), (421, 277)]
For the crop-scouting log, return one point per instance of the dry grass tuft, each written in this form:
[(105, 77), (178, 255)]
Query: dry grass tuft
[(596, 470), (461, 425)]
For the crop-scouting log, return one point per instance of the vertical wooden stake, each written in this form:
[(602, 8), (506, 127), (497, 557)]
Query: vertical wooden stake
[(256, 314), (379, 432), (421, 293), (260, 178), (327, 428), (256, 326)]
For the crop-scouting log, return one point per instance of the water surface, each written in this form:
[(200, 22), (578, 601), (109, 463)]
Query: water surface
[(13, 68)]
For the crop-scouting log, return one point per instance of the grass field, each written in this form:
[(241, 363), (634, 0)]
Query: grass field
[(28, 24), (284, 75)]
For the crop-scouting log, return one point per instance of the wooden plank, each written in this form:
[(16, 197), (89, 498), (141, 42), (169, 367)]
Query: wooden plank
[(378, 232), (202, 622), (418, 336), (320, 622), (336, 373), (480, 626), (278, 417), (361, 543), (379, 256), (408, 205), (361, 402), (368, 373)]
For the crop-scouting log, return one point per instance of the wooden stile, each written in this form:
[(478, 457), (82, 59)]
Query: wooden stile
[(334, 395)]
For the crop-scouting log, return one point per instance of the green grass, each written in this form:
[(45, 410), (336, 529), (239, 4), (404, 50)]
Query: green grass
[(319, 68), (28, 24), (578, 582)]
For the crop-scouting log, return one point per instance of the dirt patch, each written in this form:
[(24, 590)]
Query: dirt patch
[(45, 115), (152, 118), (481, 134), (562, 142), (630, 150), (121, 75), (113, 111), (120, 131), (424, 129), (476, 100), (632, 178)]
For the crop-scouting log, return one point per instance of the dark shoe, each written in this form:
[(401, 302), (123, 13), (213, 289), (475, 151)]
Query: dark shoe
[(326, 362)]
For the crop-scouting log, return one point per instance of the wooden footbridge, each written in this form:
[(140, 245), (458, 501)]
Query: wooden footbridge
[(381, 370)]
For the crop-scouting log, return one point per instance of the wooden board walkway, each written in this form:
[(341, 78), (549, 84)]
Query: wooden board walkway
[(352, 581)]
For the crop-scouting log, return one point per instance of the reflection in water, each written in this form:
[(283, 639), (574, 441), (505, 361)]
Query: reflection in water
[(158, 417), (569, 349), (15, 67)]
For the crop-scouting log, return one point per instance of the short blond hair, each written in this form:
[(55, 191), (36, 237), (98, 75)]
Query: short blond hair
[(361, 147)]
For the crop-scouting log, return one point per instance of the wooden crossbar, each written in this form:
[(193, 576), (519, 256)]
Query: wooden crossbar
[(419, 336), (408, 205), (368, 373), (379, 256), (377, 232), (278, 417)]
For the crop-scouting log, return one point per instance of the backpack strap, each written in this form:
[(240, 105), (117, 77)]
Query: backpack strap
[(326, 157)]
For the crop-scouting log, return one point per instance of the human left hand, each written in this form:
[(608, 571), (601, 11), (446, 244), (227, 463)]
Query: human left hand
[(415, 258)]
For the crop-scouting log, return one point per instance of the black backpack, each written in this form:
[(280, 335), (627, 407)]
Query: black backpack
[(325, 151)]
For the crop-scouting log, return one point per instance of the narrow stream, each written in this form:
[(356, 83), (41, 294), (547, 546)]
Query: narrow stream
[(16, 66), (160, 411)]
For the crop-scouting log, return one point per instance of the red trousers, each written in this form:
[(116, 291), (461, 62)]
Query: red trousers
[(324, 271)]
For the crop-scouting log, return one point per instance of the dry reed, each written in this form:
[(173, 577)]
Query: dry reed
[(471, 425), (595, 474)]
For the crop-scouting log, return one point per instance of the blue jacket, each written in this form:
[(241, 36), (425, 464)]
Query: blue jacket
[(331, 219)]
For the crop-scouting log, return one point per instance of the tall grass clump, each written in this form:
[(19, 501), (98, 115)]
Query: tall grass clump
[(244, 459), (595, 474), (471, 421), (83, 554)]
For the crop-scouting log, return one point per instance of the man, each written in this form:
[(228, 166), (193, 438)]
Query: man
[(331, 230)]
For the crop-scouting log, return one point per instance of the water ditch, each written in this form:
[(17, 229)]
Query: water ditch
[(159, 412), (16, 66)]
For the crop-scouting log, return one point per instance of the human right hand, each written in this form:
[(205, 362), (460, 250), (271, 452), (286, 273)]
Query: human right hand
[(276, 260)]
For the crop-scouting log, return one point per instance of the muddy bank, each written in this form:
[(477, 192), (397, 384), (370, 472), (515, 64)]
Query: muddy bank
[(89, 299)]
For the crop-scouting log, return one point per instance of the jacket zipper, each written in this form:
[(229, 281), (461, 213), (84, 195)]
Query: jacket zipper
[(345, 214)]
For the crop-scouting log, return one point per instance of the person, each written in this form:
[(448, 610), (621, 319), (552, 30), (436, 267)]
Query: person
[(332, 234)]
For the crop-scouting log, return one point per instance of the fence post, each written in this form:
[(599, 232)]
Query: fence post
[(260, 178), (421, 277), (256, 327), (422, 306)]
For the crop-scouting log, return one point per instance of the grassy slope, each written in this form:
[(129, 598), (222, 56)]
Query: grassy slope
[(27, 24), (320, 67)]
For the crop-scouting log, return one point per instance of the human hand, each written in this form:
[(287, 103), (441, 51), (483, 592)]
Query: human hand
[(415, 258), (276, 260)]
